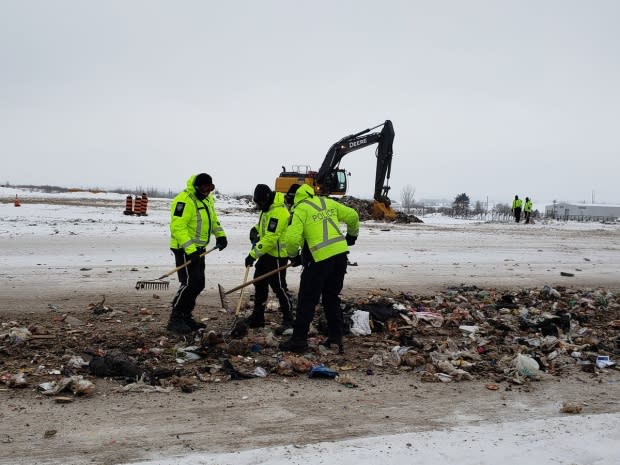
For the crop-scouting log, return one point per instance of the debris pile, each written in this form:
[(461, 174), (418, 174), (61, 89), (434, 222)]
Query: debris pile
[(462, 334), (364, 209)]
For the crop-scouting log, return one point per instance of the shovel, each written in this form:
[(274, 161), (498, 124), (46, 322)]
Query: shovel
[(224, 293), (239, 328), (163, 285)]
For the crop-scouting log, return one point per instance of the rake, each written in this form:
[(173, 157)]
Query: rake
[(158, 284), (224, 293)]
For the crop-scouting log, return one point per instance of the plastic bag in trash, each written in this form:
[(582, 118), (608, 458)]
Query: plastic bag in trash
[(321, 371), (526, 366), (360, 323)]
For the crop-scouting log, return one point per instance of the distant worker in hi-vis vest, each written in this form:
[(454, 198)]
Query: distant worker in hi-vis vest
[(517, 203)]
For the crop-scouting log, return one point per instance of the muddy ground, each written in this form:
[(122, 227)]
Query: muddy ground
[(113, 427)]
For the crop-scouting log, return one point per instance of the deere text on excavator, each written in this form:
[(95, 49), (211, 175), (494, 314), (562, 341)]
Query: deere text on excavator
[(332, 180)]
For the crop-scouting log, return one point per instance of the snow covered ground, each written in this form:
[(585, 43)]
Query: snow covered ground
[(591, 440), (82, 241)]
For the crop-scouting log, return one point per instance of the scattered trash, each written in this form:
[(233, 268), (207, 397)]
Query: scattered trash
[(346, 380), (463, 333), (321, 371), (571, 407), (17, 380), (19, 335), (526, 366), (603, 361), (76, 384), (360, 323)]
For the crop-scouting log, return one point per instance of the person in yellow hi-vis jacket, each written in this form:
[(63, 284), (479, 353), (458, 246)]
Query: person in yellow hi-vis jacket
[(527, 210), (192, 223), (314, 240), (517, 203), (269, 252)]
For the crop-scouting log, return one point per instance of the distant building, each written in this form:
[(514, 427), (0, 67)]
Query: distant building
[(582, 211)]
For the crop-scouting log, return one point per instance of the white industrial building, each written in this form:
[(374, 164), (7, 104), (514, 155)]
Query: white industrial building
[(582, 211)]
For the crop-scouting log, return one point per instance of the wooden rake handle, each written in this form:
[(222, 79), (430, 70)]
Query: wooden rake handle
[(245, 278), (180, 267), (260, 278)]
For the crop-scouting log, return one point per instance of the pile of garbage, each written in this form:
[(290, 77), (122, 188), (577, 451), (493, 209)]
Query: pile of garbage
[(462, 334), (364, 209), (468, 332)]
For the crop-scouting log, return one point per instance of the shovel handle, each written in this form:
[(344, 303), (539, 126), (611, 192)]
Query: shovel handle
[(260, 278), (180, 267), (245, 278)]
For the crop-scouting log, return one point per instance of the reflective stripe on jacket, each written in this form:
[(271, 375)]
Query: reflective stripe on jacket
[(315, 221), (271, 229), (193, 221)]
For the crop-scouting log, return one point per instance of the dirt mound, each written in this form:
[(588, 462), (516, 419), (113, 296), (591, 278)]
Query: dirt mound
[(364, 209)]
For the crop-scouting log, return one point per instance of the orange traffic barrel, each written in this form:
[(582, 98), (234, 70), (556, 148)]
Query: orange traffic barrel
[(17, 203), (137, 209), (128, 205), (143, 205)]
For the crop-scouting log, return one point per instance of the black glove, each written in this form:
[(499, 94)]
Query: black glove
[(194, 257), (350, 239), (221, 242), (296, 260), (249, 261), (254, 236)]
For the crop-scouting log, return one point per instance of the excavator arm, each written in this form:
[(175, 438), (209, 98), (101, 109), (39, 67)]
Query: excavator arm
[(358, 141)]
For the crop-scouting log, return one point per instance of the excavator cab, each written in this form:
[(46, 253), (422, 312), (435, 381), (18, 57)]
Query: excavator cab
[(335, 183)]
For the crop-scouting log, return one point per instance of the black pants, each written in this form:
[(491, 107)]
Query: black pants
[(517, 212), (192, 282), (321, 280), (277, 282), (527, 217)]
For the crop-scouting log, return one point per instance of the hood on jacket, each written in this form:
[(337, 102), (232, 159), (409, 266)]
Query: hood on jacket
[(304, 192), (278, 199), (190, 186)]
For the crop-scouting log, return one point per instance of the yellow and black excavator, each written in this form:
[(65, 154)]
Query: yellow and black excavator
[(332, 180)]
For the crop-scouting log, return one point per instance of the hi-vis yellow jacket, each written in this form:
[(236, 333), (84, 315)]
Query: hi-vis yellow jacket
[(516, 204), (315, 221), (193, 221), (271, 229)]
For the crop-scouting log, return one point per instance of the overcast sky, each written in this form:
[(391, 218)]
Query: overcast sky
[(491, 98)]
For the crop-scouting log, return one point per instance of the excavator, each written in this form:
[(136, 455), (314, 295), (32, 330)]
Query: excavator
[(332, 180)]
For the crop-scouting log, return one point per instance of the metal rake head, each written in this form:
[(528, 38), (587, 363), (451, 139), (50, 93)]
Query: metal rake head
[(157, 285)]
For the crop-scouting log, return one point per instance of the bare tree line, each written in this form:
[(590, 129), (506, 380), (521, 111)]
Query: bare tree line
[(461, 208)]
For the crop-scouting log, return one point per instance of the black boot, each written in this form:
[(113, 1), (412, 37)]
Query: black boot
[(294, 345), (177, 324), (193, 324), (329, 342), (255, 320), (287, 323)]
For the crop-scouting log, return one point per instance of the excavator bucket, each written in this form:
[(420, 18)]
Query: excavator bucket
[(381, 211)]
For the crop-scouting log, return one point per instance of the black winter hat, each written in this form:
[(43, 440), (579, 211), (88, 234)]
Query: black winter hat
[(203, 179), (262, 193)]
